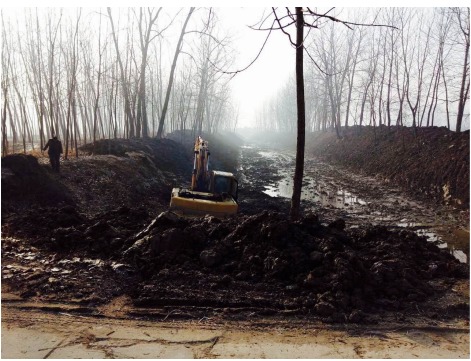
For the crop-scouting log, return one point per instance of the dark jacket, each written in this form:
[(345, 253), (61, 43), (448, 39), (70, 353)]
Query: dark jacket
[(54, 145)]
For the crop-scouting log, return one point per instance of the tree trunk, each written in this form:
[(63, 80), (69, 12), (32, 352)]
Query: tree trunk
[(299, 169), (463, 92)]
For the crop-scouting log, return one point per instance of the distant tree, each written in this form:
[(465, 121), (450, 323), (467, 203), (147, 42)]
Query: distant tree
[(5, 84), (71, 129), (171, 77), (145, 38), (124, 83), (462, 19)]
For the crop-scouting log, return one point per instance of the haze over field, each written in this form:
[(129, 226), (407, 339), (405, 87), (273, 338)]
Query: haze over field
[(88, 73)]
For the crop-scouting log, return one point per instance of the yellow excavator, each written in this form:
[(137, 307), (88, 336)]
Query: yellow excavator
[(211, 192)]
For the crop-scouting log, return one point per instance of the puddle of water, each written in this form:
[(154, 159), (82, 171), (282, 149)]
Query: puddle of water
[(327, 192), (425, 230), (312, 191), (337, 197), (340, 198), (284, 189), (267, 154)]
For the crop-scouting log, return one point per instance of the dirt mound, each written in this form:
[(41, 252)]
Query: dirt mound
[(261, 264), (431, 162), (25, 181), (164, 153), (265, 260), (121, 173)]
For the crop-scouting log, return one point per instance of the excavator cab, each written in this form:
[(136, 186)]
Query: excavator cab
[(224, 183)]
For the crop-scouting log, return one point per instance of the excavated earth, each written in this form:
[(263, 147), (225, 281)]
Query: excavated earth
[(431, 163), (100, 232)]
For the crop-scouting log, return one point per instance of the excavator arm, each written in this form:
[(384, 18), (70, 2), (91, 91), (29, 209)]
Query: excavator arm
[(200, 176)]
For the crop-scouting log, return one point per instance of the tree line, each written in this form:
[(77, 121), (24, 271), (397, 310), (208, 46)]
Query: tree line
[(87, 74), (412, 72)]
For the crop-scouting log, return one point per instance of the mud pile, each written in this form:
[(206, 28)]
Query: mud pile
[(258, 265), (120, 173), (432, 163), (66, 229), (25, 182), (265, 261), (164, 154)]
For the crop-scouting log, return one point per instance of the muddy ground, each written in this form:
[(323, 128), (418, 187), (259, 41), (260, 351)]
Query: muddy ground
[(431, 163), (99, 232)]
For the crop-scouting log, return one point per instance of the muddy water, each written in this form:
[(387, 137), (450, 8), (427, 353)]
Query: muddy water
[(333, 192)]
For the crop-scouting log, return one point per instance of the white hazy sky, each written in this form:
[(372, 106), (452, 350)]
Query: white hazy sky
[(271, 69)]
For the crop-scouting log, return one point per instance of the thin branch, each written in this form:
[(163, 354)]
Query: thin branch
[(346, 23), (261, 22), (317, 65), (282, 28), (234, 73), (273, 28)]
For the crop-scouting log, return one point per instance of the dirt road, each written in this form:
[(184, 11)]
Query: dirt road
[(29, 332)]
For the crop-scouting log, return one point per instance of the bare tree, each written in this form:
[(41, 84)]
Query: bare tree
[(52, 33), (172, 71), (97, 93), (71, 129), (462, 18), (124, 82), (299, 168), (5, 87), (145, 39)]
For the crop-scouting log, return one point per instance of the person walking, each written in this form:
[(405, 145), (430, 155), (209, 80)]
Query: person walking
[(54, 152)]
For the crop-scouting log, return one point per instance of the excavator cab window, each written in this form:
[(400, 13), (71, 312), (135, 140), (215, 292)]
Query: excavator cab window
[(222, 185), (227, 185)]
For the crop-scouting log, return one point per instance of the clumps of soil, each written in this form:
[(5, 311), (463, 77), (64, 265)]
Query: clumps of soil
[(67, 230), (245, 266), (25, 182), (431, 162), (265, 261)]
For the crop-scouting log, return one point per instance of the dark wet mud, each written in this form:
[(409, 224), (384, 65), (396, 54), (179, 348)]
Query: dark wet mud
[(333, 192), (348, 259)]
